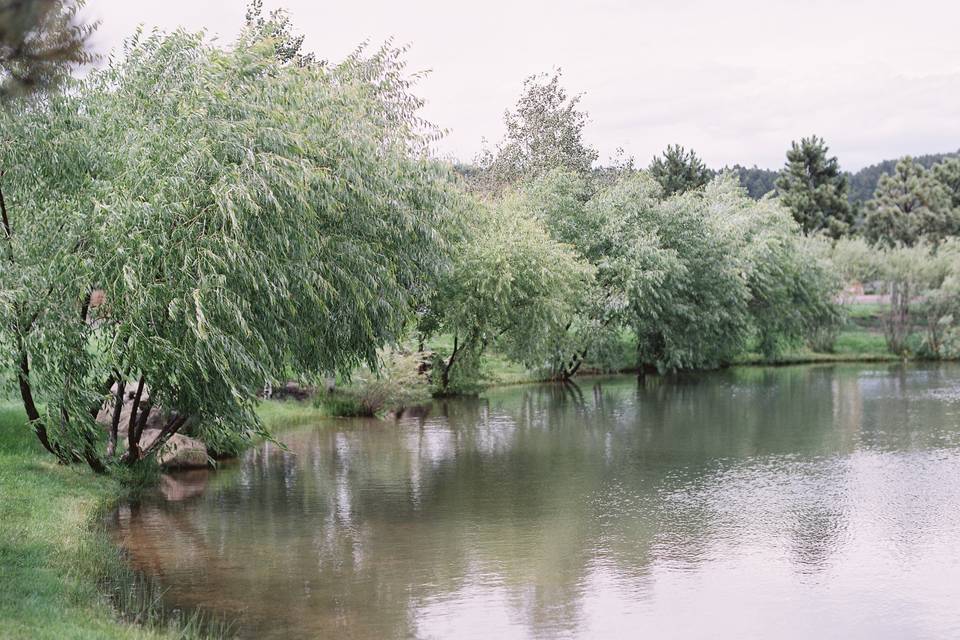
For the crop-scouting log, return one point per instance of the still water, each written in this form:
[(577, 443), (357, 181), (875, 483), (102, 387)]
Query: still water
[(801, 502)]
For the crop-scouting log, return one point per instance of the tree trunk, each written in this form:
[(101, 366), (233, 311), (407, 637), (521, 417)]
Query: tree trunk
[(172, 426), (445, 376), (133, 438), (30, 407), (897, 326), (115, 422)]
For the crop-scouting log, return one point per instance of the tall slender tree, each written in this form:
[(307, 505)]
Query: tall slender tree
[(544, 132), (812, 186)]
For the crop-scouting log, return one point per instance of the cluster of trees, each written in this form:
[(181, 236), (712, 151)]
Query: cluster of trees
[(923, 283), (864, 182), (677, 257), (249, 211), (243, 211)]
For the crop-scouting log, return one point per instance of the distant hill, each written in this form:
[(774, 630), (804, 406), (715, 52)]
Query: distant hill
[(864, 182), (758, 182)]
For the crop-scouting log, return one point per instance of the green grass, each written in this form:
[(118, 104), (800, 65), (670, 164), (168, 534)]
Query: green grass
[(854, 344), (859, 342), (53, 555), (862, 310), (284, 414), (57, 561)]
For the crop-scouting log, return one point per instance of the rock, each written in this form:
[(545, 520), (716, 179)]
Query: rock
[(179, 452), (105, 417), (293, 390)]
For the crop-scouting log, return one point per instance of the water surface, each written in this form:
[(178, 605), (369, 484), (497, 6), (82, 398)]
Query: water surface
[(801, 502)]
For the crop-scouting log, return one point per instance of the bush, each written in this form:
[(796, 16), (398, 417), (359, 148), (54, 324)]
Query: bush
[(400, 382)]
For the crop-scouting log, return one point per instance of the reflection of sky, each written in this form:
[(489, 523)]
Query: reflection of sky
[(791, 503)]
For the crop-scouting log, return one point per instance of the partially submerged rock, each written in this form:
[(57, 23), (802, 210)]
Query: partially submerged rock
[(179, 451)]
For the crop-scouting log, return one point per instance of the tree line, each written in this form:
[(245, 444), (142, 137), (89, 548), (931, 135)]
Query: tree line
[(195, 219)]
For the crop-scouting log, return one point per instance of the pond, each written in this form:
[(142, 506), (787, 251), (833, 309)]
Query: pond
[(797, 502)]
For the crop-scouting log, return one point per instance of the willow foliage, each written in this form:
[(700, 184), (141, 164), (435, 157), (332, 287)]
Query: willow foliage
[(241, 215), (510, 285), (697, 277)]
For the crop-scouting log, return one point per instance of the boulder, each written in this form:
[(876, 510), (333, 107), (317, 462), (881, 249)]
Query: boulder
[(179, 452), (289, 389), (105, 417)]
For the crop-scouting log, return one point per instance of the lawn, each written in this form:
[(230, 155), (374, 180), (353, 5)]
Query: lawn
[(55, 558), (53, 555)]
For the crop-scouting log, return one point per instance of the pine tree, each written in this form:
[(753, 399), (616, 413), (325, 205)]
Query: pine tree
[(908, 207), (812, 186), (679, 171), (947, 173)]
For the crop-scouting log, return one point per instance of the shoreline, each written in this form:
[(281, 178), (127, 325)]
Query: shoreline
[(59, 568), (60, 557)]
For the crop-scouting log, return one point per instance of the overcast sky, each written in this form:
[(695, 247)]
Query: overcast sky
[(736, 80)]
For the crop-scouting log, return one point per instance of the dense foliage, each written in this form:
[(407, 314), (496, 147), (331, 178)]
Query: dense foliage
[(241, 216), (510, 285), (697, 278)]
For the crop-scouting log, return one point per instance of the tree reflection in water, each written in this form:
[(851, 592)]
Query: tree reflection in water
[(575, 511)]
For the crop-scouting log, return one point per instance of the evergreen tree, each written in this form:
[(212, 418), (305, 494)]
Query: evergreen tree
[(947, 173), (812, 186), (679, 171), (758, 182), (864, 182), (908, 207)]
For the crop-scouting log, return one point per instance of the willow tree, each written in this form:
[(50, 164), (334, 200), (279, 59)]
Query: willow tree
[(629, 266), (510, 285), (241, 216), (791, 286), (40, 42)]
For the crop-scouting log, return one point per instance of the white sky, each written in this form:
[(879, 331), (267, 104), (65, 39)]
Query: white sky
[(736, 80)]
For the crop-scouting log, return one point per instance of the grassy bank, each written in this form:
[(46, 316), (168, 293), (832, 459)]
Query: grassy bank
[(55, 558), (53, 555), (854, 344)]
